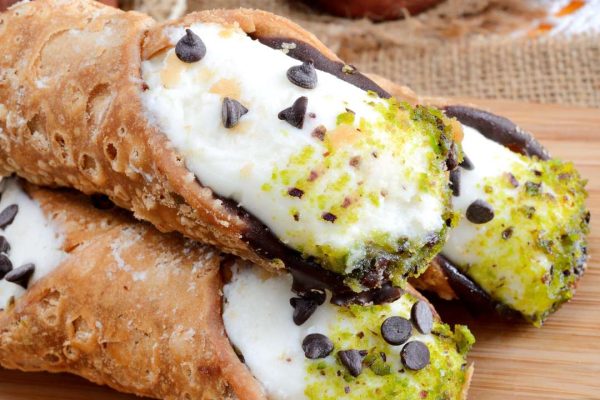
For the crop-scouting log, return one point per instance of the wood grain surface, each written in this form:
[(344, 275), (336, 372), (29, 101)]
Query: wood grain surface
[(513, 360)]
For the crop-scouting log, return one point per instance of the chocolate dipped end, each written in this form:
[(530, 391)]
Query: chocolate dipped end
[(506, 133), (307, 274), (500, 130), (465, 288), (304, 52)]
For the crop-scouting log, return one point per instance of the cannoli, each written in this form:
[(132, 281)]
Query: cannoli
[(121, 304), (235, 128), (522, 234), (528, 252), (91, 292), (520, 244)]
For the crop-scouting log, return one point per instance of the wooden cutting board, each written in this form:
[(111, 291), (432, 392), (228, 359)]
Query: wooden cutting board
[(512, 360)]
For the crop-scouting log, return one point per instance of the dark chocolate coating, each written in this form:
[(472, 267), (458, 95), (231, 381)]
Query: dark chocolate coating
[(305, 52), (464, 287), (307, 274), (499, 129)]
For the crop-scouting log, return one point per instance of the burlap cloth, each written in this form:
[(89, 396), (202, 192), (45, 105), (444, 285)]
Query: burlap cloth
[(461, 48)]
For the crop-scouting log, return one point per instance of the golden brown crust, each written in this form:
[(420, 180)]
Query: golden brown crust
[(129, 307)]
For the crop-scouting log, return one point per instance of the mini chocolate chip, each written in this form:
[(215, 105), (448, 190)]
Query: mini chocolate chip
[(396, 330), (455, 182), (587, 217), (7, 216), (190, 48), (513, 181), (295, 192), (231, 112), (304, 75), (355, 161), (346, 389), (101, 201), (422, 317), (329, 217), (466, 163), (537, 173), (387, 294), (312, 115), (303, 309), (4, 245), (352, 360), (480, 212), (295, 114), (5, 265), (415, 355), (507, 233), (21, 275), (319, 132), (317, 346)]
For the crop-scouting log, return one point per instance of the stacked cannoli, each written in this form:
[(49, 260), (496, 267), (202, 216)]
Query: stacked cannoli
[(239, 130)]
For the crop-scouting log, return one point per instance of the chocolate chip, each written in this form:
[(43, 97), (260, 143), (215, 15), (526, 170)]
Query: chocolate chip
[(415, 355), (5, 265), (422, 317), (303, 309), (231, 112), (317, 346), (480, 212), (319, 132), (507, 233), (190, 48), (4, 245), (587, 217), (513, 181), (352, 360), (355, 161), (101, 201), (295, 192), (455, 182), (466, 163), (7, 216), (295, 114), (304, 75), (387, 294), (21, 275), (329, 217), (396, 330)]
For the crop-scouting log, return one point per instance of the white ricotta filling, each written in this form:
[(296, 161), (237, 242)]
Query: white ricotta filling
[(490, 160), (32, 239), (258, 321), (185, 101)]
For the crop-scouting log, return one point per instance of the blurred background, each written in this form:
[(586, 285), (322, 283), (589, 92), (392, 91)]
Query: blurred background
[(543, 51)]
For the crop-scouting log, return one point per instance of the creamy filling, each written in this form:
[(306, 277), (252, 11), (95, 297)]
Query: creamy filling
[(369, 181), (258, 320), (32, 239), (520, 257)]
